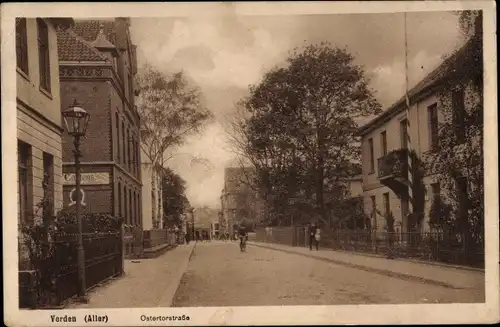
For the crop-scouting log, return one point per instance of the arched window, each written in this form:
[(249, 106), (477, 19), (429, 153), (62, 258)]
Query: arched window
[(119, 199), (117, 118)]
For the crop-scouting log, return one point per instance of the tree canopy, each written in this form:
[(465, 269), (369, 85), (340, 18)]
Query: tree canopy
[(175, 202), (296, 129), (170, 110)]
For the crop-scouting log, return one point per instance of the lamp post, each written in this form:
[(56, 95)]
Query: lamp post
[(76, 120)]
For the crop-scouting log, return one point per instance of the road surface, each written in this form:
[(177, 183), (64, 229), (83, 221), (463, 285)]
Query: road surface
[(220, 275)]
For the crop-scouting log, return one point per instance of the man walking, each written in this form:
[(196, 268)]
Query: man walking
[(312, 236)]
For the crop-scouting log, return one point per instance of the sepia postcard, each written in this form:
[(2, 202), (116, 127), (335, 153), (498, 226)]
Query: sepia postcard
[(250, 163)]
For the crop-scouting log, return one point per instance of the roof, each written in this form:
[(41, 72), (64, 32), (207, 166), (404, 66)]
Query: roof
[(433, 78), (62, 22), (89, 29), (71, 47), (101, 42)]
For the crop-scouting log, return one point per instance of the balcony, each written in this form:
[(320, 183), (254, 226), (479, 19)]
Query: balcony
[(393, 171)]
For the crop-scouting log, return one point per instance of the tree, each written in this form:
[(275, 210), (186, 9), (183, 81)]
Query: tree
[(297, 128), (458, 160), (175, 202), (170, 110)]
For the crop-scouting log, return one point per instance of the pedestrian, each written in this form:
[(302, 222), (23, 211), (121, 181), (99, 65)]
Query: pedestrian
[(312, 234), (317, 237)]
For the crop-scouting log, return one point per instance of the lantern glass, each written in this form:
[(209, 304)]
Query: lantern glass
[(76, 120)]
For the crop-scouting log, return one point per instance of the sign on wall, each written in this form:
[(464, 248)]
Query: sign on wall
[(87, 179), (72, 197)]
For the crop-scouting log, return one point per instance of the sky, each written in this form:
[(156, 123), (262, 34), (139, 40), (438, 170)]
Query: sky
[(224, 54)]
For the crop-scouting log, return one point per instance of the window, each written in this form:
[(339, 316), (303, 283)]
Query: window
[(22, 45), (25, 186), (120, 199), (403, 126), (124, 142), (129, 162), (433, 126), (372, 156), (131, 207), (48, 184), (457, 99), (125, 211), (383, 142), (387, 204), (117, 119), (139, 209), (43, 54), (374, 210), (137, 156)]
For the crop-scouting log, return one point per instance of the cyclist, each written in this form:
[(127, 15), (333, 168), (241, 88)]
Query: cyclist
[(243, 235)]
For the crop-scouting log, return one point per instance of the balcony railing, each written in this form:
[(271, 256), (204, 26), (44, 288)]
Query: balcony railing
[(393, 165)]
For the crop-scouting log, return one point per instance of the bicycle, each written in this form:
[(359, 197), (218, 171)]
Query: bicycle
[(243, 244)]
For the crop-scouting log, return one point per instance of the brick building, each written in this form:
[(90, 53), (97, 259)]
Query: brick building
[(97, 63)]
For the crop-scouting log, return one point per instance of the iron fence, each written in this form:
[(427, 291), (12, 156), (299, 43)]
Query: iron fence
[(447, 247), (103, 259)]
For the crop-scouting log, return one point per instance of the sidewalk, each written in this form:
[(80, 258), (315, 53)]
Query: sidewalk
[(146, 283), (450, 277)]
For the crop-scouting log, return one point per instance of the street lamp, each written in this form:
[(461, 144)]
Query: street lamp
[(76, 120)]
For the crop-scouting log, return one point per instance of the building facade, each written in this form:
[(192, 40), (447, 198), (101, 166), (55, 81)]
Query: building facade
[(385, 146), (239, 201), (97, 63), (39, 125)]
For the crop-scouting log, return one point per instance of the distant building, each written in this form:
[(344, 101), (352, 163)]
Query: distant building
[(385, 139), (97, 62), (39, 120), (355, 186), (238, 200)]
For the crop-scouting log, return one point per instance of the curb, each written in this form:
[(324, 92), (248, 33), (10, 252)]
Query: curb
[(366, 268), (168, 298), (420, 262)]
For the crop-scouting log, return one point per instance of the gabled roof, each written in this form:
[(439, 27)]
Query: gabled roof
[(447, 67), (71, 47)]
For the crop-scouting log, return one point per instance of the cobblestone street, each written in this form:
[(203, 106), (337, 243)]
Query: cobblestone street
[(220, 275)]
